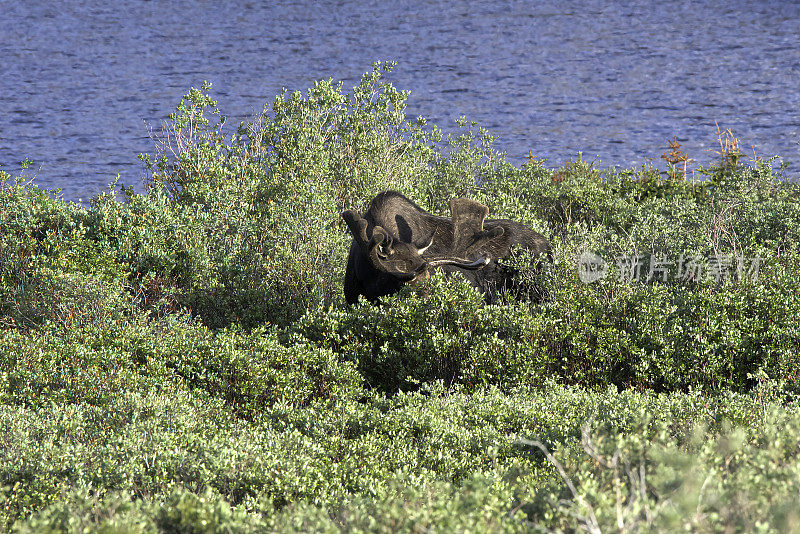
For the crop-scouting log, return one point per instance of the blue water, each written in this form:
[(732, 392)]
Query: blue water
[(81, 83)]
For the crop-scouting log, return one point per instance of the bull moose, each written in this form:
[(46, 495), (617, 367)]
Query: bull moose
[(396, 242)]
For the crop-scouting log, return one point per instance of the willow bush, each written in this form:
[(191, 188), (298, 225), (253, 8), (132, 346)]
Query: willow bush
[(183, 360)]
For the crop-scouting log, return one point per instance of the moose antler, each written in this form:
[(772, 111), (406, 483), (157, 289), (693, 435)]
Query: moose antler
[(357, 225), (468, 233)]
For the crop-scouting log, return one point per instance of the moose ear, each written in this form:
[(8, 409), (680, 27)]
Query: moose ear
[(468, 233), (357, 225)]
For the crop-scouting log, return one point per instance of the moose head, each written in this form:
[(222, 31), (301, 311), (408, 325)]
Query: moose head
[(456, 242), (397, 242)]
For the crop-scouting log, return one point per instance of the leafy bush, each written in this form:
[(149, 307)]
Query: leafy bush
[(182, 360), (253, 220), (50, 269), (252, 371), (661, 336), (454, 457)]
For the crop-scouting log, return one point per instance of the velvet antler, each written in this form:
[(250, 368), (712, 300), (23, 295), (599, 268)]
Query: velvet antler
[(468, 233), (357, 225)]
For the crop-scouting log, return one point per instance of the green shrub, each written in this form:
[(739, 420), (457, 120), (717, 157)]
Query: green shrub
[(458, 458), (252, 371), (50, 268), (440, 330), (665, 337), (634, 482), (252, 222), (181, 360)]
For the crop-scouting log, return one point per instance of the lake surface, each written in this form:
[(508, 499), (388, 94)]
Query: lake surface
[(81, 83)]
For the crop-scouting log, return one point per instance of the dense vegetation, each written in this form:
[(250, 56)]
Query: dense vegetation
[(181, 360)]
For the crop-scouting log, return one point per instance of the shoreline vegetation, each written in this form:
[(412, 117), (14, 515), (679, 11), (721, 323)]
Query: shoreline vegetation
[(182, 360)]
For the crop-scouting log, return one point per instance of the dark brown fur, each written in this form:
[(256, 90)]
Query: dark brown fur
[(385, 253)]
